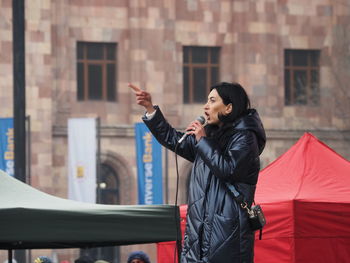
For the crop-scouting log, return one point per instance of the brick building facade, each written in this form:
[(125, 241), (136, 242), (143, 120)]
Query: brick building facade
[(149, 37)]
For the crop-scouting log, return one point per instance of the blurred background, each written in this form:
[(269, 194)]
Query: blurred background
[(292, 57)]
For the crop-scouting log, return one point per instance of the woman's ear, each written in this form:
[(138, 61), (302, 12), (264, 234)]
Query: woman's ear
[(228, 109)]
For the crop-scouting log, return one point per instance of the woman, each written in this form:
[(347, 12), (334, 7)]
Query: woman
[(226, 149)]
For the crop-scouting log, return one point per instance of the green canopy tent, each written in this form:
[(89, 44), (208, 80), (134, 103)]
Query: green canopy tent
[(32, 219)]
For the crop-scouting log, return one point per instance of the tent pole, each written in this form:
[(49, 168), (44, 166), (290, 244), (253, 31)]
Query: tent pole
[(28, 148), (98, 161), (10, 255), (166, 176)]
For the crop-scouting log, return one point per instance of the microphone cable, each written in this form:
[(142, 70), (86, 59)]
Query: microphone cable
[(178, 239), (178, 245)]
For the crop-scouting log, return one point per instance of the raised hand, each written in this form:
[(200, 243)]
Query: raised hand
[(143, 98), (197, 129)]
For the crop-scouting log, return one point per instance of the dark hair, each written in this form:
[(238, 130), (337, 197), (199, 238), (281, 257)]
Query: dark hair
[(235, 94), (138, 255)]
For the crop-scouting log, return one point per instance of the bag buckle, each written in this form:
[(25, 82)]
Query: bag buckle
[(244, 205)]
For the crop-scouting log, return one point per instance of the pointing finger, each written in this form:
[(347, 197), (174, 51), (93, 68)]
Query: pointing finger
[(135, 88)]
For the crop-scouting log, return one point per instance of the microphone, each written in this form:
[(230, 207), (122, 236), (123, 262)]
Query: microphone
[(201, 119)]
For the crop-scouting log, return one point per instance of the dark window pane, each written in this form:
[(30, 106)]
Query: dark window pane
[(80, 78), (110, 50), (287, 93), (300, 87), (109, 197), (286, 58), (314, 58), (199, 84), (80, 50), (314, 78), (186, 54), (200, 55), (186, 83), (111, 82), (214, 55), (214, 76), (95, 81), (315, 91), (109, 177), (94, 51), (300, 58)]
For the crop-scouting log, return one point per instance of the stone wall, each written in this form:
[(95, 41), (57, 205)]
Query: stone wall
[(150, 35)]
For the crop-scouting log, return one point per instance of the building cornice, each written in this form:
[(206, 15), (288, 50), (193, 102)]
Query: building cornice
[(276, 134), (106, 131)]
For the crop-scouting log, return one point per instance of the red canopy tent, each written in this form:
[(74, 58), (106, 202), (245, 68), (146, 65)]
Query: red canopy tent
[(305, 195)]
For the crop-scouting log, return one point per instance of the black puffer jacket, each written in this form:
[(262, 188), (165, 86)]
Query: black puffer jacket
[(217, 230)]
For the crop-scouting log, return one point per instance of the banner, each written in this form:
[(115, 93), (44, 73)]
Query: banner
[(7, 146), (82, 159), (149, 166)]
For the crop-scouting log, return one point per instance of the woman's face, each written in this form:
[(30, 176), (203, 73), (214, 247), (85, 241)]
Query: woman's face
[(214, 106)]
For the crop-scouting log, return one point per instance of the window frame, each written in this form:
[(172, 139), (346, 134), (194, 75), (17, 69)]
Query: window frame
[(290, 87), (103, 64), (191, 66)]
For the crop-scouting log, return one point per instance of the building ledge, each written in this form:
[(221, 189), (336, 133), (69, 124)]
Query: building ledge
[(277, 134)]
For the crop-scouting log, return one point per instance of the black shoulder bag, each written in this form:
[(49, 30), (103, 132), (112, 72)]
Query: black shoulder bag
[(255, 214)]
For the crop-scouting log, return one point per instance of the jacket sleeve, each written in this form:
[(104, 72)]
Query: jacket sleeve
[(167, 136), (238, 163)]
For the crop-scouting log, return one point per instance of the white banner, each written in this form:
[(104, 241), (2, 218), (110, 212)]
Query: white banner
[(82, 159)]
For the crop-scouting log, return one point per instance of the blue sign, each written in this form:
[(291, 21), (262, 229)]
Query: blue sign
[(7, 146), (149, 166)]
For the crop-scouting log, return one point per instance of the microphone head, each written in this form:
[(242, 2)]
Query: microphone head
[(201, 119)]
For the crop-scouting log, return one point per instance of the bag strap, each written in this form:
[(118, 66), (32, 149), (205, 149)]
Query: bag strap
[(240, 200), (260, 234), (236, 195)]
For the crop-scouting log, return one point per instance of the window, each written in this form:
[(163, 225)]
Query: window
[(301, 77), (200, 72), (109, 185), (96, 71)]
